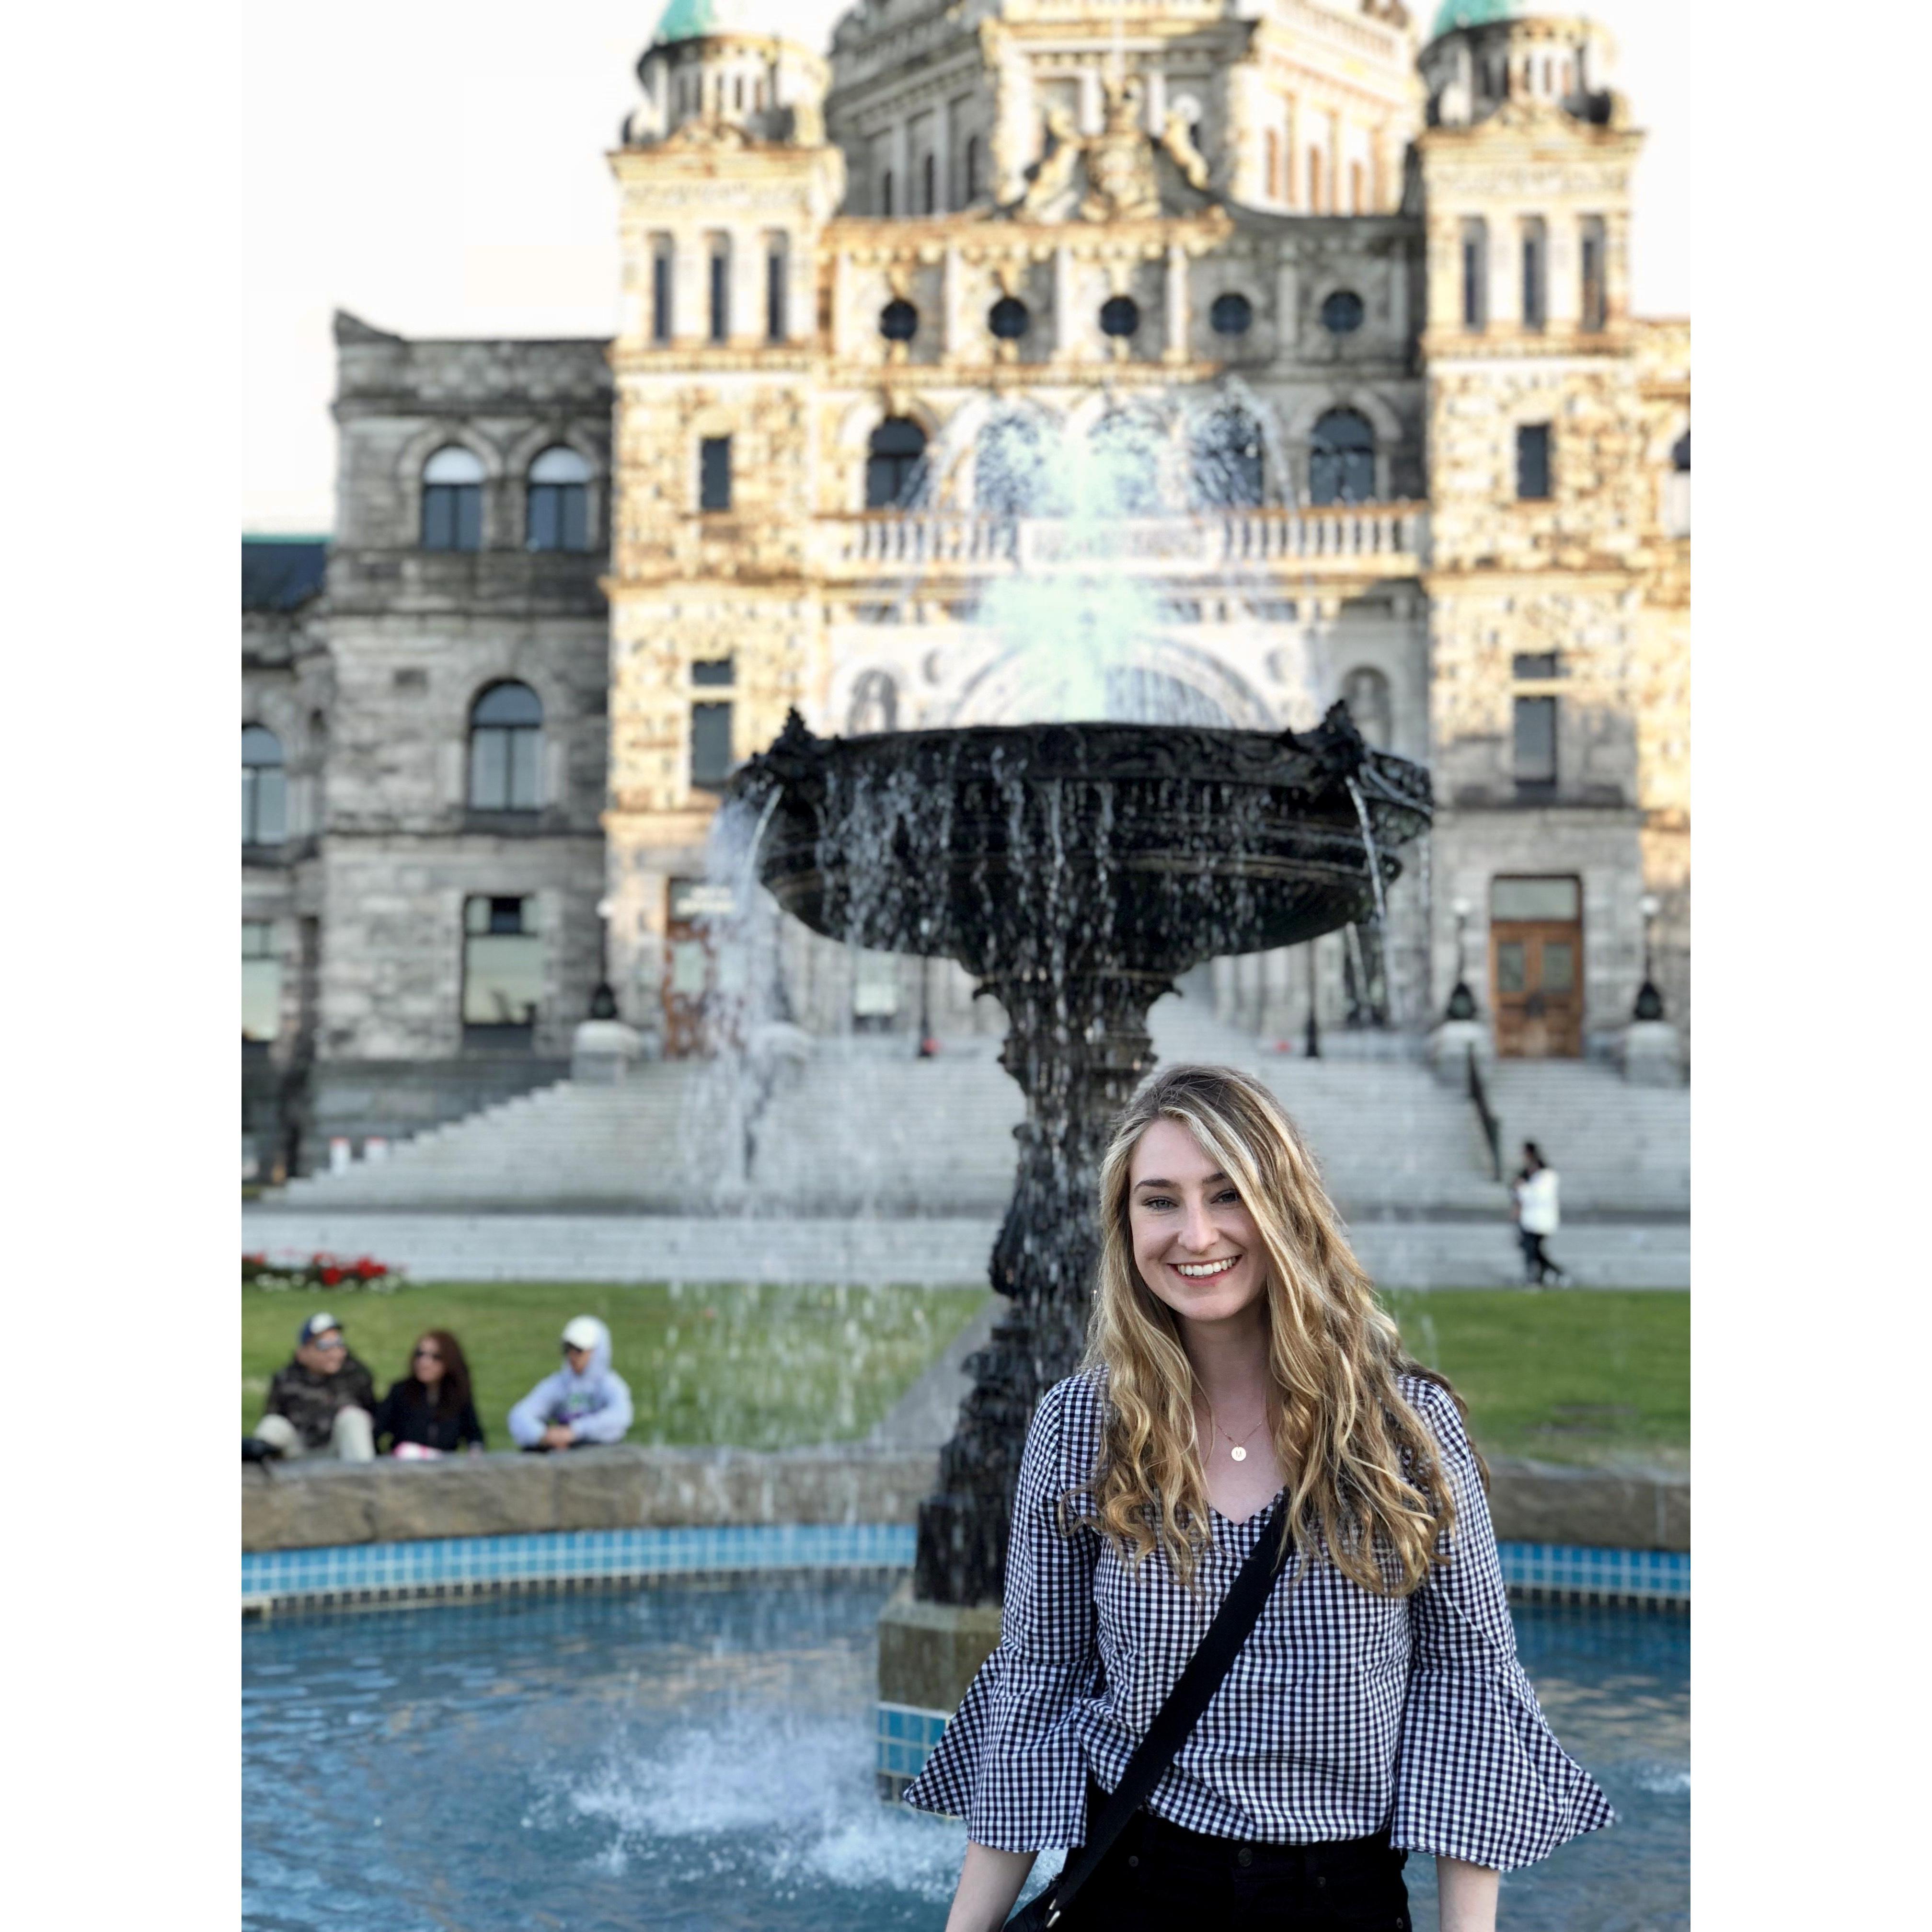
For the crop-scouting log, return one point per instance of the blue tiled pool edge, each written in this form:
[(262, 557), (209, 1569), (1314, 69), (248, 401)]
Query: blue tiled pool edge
[(345, 1574), (367, 1573)]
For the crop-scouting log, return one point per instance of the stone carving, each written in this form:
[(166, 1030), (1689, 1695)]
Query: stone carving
[(1120, 179), (1055, 171), (1177, 138)]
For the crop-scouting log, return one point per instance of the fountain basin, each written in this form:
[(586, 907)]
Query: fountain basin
[(1123, 847)]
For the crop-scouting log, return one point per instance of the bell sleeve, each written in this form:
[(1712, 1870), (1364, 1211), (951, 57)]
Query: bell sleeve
[(1010, 1763), (1479, 1774)]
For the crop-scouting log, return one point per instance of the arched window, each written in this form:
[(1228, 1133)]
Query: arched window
[(452, 499), (265, 793), (1341, 459), (559, 513), (1365, 690), (1125, 466), (1009, 472), (874, 706), (505, 749), (1228, 470), (895, 464)]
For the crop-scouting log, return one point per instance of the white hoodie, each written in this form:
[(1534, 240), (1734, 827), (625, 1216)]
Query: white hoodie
[(1537, 1198), (596, 1404)]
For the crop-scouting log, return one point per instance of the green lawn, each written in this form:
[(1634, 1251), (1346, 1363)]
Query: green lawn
[(1594, 1375), (762, 1368), (1590, 1376)]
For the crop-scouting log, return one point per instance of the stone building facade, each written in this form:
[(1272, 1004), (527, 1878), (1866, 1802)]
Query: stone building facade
[(1348, 307)]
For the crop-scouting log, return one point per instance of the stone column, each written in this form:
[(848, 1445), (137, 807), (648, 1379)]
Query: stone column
[(1092, 106), (953, 332), (841, 301), (1177, 323), (1065, 342), (942, 158), (747, 280)]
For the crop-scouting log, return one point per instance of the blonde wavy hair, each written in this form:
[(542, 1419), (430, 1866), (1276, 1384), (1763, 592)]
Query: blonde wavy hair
[(1361, 1466)]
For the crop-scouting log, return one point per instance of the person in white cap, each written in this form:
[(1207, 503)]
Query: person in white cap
[(585, 1401), (321, 1403)]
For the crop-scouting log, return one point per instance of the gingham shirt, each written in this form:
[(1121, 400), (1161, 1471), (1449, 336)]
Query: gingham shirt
[(1343, 1712)]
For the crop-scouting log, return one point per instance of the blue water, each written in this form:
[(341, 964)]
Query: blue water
[(700, 1758)]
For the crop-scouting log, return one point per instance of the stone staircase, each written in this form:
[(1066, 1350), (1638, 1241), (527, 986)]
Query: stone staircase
[(861, 1129)]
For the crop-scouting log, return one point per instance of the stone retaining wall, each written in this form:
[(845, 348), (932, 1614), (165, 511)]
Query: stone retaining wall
[(308, 1505)]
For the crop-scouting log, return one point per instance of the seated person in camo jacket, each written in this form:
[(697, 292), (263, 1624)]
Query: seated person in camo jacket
[(323, 1402)]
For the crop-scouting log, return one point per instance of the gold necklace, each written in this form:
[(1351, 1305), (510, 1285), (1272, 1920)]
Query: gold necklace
[(1237, 1452)]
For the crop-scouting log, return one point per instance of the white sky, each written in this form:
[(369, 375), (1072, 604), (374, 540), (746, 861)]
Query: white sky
[(439, 168)]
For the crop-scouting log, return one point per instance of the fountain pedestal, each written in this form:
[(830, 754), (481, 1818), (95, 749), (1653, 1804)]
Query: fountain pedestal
[(1074, 870)]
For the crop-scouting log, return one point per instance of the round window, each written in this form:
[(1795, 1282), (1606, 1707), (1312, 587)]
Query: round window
[(899, 320), (1342, 313), (1008, 318), (1231, 315), (1120, 315)]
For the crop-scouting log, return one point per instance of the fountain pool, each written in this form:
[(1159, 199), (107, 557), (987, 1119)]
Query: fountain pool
[(700, 1758)]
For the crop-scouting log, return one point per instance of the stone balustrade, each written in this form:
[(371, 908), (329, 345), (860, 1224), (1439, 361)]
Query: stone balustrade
[(315, 1504), (1365, 539)]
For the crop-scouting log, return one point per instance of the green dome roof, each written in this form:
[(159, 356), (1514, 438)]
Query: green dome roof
[(1453, 13), (689, 20)]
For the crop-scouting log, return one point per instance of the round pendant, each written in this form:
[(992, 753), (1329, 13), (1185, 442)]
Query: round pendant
[(1240, 1454)]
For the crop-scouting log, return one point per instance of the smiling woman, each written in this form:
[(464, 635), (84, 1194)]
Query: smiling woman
[(1244, 1397)]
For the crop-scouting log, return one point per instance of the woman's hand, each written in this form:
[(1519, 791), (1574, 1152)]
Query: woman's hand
[(989, 1882), (1465, 1896)]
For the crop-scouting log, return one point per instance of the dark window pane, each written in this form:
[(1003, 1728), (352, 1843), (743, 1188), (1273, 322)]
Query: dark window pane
[(541, 528), (508, 704), (661, 298), (524, 746), (264, 805), (1230, 314), (489, 768), (1559, 966), (1534, 664), (721, 297), (710, 744), (775, 295), (1120, 315), (574, 517), (1532, 280), (1341, 459), (1008, 318), (1342, 313), (1509, 967), (439, 516), (502, 979), (714, 473), (712, 670), (261, 995), (1595, 304), (1532, 462), (1535, 740), (1535, 898), (898, 321), (1474, 304), (1228, 461), (895, 464)]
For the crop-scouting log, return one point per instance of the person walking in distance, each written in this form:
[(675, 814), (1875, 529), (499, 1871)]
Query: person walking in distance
[(1537, 1217)]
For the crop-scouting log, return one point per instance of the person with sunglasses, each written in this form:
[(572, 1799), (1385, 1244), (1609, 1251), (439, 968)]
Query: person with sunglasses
[(322, 1402), (428, 1411), (584, 1403)]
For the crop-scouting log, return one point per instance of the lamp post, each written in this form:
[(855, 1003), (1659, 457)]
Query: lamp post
[(927, 1045), (1462, 1002), (1649, 1001), (603, 1000), (1312, 1042)]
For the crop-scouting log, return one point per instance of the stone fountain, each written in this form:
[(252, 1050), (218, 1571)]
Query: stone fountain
[(1076, 870)]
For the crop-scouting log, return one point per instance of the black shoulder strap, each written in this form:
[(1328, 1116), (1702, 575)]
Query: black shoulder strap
[(1173, 1722)]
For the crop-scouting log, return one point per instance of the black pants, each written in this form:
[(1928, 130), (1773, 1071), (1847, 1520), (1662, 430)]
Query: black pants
[(1160, 1878), (1537, 1266)]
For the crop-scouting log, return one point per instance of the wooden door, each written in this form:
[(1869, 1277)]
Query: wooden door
[(1536, 968)]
